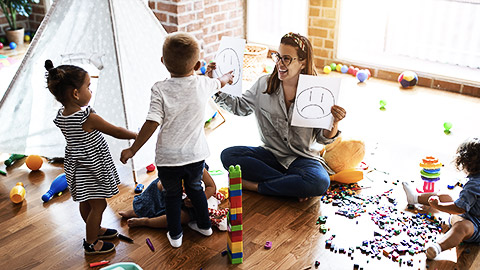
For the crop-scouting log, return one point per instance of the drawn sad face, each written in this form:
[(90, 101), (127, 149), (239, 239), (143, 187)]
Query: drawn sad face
[(228, 60), (315, 102)]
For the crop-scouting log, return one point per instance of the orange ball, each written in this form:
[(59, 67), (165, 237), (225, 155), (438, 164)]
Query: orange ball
[(34, 162)]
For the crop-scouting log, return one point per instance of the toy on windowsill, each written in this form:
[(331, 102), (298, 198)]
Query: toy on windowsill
[(17, 193), (362, 75), (408, 79), (59, 184), (430, 173), (1, 45), (13, 45), (327, 69), (447, 126)]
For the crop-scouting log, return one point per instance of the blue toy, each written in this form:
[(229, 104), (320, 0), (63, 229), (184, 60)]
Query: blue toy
[(344, 69), (203, 67), (139, 188), (362, 75), (13, 45), (58, 185)]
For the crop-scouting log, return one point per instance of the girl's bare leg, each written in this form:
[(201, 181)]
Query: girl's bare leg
[(462, 229), (156, 222), (93, 221)]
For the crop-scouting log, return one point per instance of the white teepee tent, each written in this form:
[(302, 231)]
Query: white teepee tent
[(118, 40)]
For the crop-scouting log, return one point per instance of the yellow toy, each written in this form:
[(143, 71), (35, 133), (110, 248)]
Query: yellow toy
[(17, 193), (34, 162), (343, 157)]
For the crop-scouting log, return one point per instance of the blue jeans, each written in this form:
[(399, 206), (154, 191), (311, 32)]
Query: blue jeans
[(304, 178), (171, 178)]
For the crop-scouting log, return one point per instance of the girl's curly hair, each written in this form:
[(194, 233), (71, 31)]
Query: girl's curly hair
[(468, 156)]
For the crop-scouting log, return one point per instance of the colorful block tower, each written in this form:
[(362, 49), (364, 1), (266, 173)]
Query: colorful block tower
[(430, 174), (234, 218)]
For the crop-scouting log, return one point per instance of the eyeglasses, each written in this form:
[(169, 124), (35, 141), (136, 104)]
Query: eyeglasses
[(286, 59)]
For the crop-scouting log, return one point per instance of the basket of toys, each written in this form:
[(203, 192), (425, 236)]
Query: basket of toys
[(253, 61)]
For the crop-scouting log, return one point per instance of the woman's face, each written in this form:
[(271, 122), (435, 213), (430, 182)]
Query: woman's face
[(286, 70)]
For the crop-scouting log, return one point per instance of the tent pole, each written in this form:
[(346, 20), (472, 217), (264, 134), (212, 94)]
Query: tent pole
[(122, 86)]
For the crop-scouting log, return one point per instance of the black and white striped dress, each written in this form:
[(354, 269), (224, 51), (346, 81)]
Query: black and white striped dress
[(89, 166)]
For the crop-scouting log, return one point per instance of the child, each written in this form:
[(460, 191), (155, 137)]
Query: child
[(178, 106), (149, 207), (91, 174), (465, 219)]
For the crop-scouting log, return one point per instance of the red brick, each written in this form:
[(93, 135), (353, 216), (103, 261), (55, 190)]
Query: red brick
[(329, 44), (220, 17), (327, 3), (187, 7), (322, 23), (3, 20), (228, 6), (317, 42), (38, 9), (170, 28), (314, 12), (211, 9), (210, 39), (211, 48), (238, 32), (449, 86), (194, 26), (167, 7), (185, 19), (151, 5), (317, 32), (315, 2), (162, 17), (172, 19), (199, 15), (471, 90), (198, 5), (209, 2), (329, 13), (422, 81), (387, 75)]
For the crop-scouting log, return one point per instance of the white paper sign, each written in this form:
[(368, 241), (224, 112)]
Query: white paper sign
[(314, 100), (229, 57)]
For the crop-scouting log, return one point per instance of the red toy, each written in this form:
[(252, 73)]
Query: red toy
[(150, 168)]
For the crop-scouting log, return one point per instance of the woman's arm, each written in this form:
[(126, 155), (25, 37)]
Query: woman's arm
[(95, 122), (210, 187)]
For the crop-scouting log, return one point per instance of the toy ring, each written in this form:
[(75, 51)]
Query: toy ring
[(430, 160), (431, 166), (429, 175)]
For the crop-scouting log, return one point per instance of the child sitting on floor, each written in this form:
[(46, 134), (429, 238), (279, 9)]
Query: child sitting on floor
[(465, 219), (149, 207)]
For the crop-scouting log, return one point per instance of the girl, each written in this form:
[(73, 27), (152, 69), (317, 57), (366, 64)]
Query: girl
[(465, 219), (91, 174)]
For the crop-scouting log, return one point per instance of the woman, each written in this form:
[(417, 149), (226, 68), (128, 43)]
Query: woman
[(287, 164)]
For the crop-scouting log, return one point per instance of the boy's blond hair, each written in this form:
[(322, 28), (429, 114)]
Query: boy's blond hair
[(180, 53)]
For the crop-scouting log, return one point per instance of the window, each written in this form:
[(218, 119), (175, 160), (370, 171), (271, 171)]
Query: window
[(269, 20), (439, 37)]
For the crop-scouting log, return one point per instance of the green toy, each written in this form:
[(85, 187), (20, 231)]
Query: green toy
[(13, 158), (383, 103), (447, 126)]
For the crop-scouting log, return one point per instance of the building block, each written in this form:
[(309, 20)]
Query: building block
[(234, 216)]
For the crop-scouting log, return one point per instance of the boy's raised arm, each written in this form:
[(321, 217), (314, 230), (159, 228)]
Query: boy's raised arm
[(145, 133)]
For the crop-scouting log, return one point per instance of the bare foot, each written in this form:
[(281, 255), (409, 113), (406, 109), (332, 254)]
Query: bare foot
[(249, 185), (136, 222), (127, 214)]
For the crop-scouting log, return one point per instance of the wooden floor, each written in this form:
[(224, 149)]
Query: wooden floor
[(37, 235)]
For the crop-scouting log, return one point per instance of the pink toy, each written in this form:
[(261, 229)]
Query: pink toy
[(268, 245)]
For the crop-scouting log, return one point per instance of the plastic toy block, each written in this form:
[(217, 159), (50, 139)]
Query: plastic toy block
[(236, 210), (236, 233), (234, 193), (323, 228), (322, 219), (238, 220), (235, 186), (236, 204), (235, 200), (234, 228), (233, 217), (236, 238), (235, 255), (234, 172), (234, 181), (235, 247), (268, 245), (235, 261)]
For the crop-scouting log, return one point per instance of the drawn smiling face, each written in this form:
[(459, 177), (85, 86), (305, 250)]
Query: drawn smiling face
[(228, 60), (315, 102)]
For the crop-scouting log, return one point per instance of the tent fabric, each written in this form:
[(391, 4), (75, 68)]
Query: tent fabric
[(118, 40)]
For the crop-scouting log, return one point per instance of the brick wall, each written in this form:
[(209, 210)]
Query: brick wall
[(208, 20), (29, 24), (322, 32)]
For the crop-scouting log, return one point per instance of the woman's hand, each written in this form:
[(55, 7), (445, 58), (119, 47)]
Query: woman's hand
[(210, 68), (338, 113)]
